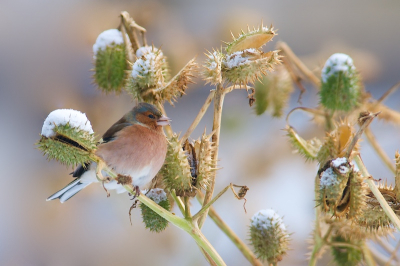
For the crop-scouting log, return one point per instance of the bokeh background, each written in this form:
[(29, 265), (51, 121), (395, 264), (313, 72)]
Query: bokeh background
[(45, 61)]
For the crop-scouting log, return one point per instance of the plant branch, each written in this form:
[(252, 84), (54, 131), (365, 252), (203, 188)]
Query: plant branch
[(369, 260), (199, 116), (218, 104), (178, 201), (246, 251), (206, 206), (299, 64)]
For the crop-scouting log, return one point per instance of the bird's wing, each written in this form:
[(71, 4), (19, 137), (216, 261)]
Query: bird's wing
[(107, 137), (112, 131)]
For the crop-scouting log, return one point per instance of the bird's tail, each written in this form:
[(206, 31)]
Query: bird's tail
[(70, 190)]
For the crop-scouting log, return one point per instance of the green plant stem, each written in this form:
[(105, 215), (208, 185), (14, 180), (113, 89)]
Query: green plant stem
[(178, 201), (218, 104), (185, 224), (206, 206), (187, 208), (385, 206), (246, 251), (199, 116)]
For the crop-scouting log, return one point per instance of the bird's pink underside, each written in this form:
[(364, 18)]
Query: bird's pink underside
[(150, 147)]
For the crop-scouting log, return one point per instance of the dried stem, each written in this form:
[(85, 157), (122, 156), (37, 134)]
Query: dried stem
[(250, 256), (206, 206), (365, 121), (199, 116), (387, 93), (378, 149), (299, 64), (368, 257), (218, 103)]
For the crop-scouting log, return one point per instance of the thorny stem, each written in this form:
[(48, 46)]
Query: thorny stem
[(218, 103), (385, 206), (385, 158), (199, 116), (246, 251), (299, 64)]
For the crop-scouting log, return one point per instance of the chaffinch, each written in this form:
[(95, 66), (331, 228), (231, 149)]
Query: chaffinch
[(134, 146)]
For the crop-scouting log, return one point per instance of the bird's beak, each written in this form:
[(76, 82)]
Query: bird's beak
[(163, 121)]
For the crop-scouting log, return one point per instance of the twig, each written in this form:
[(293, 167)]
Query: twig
[(305, 109), (295, 78), (218, 104), (299, 64), (365, 120), (369, 255), (199, 116), (387, 93), (246, 251), (206, 206), (382, 154)]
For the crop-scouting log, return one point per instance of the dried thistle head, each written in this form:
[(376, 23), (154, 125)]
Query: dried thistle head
[(336, 142), (334, 178), (255, 38), (148, 73), (176, 169), (204, 149), (308, 148), (243, 67), (212, 67), (373, 217)]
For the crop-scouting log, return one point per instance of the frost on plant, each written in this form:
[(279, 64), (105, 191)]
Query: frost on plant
[(268, 236)]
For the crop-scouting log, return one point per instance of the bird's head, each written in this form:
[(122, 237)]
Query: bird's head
[(147, 114)]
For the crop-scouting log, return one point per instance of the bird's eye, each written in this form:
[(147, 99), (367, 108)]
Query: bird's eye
[(151, 116)]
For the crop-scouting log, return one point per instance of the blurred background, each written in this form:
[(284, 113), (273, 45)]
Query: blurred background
[(45, 61)]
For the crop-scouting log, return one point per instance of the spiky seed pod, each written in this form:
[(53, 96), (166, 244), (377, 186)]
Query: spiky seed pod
[(308, 148), (151, 219), (204, 148), (274, 92), (243, 67), (178, 85), (346, 228), (397, 177), (334, 178), (346, 255), (176, 170), (110, 61), (358, 192), (340, 86), (148, 73), (251, 39), (268, 236), (336, 142), (67, 136), (212, 67), (373, 217)]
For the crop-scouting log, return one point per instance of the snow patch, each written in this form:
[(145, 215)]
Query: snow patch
[(107, 38), (157, 195), (59, 117), (265, 219), (337, 63)]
